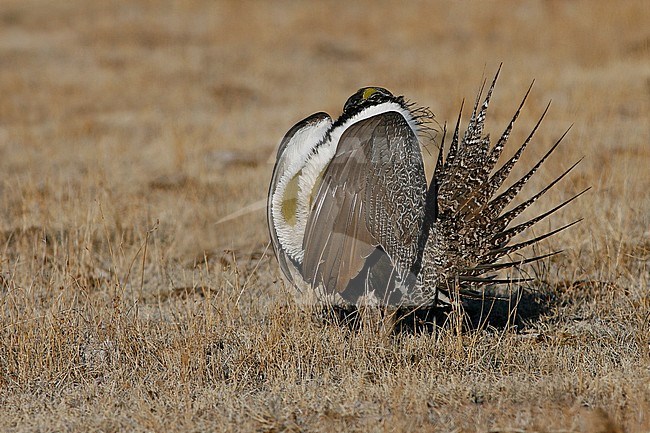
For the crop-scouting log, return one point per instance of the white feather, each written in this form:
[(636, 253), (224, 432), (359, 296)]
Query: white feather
[(294, 158)]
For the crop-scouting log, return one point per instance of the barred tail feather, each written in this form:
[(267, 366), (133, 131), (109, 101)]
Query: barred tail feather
[(496, 151), (469, 231), (497, 205), (464, 167), (502, 251), (490, 267), (506, 235)]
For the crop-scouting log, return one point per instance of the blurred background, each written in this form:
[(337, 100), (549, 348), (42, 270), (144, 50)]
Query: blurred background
[(171, 111)]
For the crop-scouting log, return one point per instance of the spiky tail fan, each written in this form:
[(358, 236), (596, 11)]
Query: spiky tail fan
[(467, 231)]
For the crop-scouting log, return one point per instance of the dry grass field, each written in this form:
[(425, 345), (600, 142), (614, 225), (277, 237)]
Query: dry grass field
[(128, 130)]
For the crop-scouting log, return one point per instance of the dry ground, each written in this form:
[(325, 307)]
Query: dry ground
[(128, 129)]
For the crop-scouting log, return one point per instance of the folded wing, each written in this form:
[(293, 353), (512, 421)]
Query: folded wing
[(368, 210)]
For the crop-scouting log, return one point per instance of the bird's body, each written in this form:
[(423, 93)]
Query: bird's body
[(352, 218)]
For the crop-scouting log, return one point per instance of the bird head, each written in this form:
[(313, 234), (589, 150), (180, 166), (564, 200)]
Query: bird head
[(365, 97)]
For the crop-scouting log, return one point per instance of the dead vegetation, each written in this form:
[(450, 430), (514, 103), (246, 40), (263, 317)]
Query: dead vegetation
[(129, 129)]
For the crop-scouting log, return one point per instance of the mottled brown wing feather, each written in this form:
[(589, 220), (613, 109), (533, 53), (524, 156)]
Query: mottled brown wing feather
[(372, 196)]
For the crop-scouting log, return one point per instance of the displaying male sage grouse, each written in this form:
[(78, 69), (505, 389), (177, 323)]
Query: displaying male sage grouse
[(352, 220)]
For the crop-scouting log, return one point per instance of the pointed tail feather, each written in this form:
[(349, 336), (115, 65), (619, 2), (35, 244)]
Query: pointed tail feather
[(496, 151), (509, 249), (506, 235), (481, 195), (491, 267), (469, 232), (441, 171), (466, 167), (493, 280), (502, 200)]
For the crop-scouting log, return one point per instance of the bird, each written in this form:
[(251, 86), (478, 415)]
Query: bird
[(353, 220)]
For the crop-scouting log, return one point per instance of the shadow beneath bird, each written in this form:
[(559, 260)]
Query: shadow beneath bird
[(517, 309), (494, 310)]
